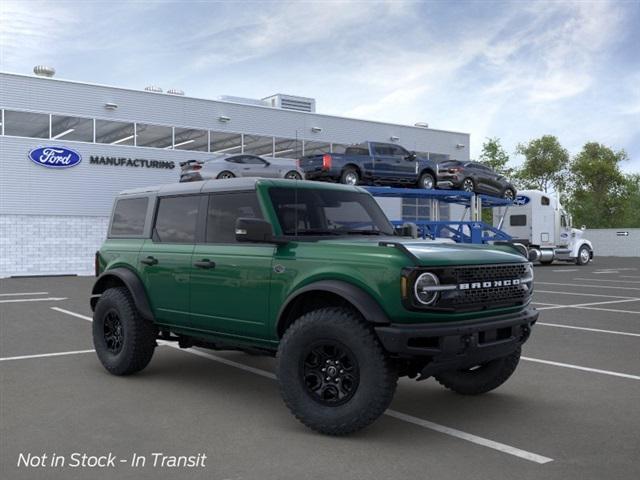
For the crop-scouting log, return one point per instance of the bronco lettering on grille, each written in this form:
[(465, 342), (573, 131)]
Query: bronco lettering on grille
[(490, 284)]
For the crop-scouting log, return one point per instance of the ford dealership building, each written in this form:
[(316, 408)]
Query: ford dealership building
[(66, 149)]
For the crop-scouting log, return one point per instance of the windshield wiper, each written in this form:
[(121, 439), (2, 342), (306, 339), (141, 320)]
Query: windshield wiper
[(316, 231), (362, 232)]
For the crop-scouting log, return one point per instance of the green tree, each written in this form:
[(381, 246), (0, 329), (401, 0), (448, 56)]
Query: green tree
[(630, 217), (494, 156), (545, 164), (599, 191)]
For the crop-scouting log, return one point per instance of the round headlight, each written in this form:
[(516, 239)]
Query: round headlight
[(423, 288)]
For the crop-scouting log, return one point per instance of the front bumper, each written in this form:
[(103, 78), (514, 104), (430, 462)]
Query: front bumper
[(449, 181), (452, 346)]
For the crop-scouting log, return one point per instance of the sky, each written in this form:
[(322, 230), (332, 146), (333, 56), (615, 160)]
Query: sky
[(514, 70)]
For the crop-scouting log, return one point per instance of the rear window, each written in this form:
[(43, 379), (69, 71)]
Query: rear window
[(176, 219), (357, 151), (128, 217), (518, 220)]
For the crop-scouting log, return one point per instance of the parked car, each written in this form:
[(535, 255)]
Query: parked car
[(474, 177), (372, 163), (315, 275), (242, 165)]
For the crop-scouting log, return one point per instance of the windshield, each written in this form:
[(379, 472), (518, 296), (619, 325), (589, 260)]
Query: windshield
[(308, 211)]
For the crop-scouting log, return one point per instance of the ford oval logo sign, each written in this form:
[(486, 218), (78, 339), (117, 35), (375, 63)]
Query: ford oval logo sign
[(521, 200), (55, 157)]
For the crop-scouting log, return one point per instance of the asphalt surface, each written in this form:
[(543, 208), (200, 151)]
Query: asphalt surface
[(571, 410)]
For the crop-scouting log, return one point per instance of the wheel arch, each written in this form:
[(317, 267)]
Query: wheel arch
[(327, 292), (355, 166), (123, 277)]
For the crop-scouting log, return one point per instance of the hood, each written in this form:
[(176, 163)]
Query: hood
[(442, 252)]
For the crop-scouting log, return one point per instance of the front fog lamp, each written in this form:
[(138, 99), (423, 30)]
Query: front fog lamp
[(426, 288)]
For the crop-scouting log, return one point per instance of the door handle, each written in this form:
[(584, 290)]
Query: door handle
[(205, 263), (149, 260)]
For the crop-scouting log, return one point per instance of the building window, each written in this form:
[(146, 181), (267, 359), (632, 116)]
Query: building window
[(26, 124), (338, 148), (287, 148), (257, 145), (316, 148), (226, 142), (153, 136), (176, 219), (129, 216), (71, 128), (115, 133), (191, 139)]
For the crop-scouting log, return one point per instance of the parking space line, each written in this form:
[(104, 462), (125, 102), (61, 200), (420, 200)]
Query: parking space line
[(583, 294), (567, 270), (633, 312), (48, 299), (532, 457), (598, 330), (629, 276), (584, 369), (43, 355), (588, 286), (603, 280), (22, 293), (73, 314), (579, 305)]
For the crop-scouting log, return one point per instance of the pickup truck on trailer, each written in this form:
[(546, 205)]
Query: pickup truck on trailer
[(372, 163)]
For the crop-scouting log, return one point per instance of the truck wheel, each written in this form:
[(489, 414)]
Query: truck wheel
[(482, 378), (509, 194), (123, 340), (333, 374), (350, 176), (584, 255), (427, 181)]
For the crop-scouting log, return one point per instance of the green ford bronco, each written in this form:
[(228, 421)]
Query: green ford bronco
[(315, 275)]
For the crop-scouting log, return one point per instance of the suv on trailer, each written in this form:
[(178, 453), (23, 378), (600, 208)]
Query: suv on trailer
[(314, 274)]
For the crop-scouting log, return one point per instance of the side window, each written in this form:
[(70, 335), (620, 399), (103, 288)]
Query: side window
[(224, 210), (398, 151), (176, 219), (253, 160), (239, 159), (563, 221), (382, 150), (544, 201), (518, 220), (128, 217)]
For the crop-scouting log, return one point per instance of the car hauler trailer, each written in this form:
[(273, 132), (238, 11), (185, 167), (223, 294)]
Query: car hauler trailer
[(538, 220)]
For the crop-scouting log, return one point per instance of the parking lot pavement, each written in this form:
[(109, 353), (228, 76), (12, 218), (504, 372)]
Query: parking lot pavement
[(570, 411)]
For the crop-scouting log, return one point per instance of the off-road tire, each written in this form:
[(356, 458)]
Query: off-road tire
[(138, 339), (347, 173), (376, 382), (424, 179), (224, 175), (485, 378)]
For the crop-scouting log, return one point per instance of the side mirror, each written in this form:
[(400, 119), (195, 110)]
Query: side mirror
[(411, 157), (255, 230)]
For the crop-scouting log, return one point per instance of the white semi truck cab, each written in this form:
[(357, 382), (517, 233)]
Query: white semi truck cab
[(537, 220)]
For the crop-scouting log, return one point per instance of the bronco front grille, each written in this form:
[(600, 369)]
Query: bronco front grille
[(480, 287)]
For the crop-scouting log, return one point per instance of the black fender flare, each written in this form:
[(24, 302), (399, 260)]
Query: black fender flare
[(133, 283), (369, 308)]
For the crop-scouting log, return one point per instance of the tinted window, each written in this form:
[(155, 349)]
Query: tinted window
[(26, 124), (518, 220), (115, 133), (224, 210), (327, 212), (154, 136), (544, 201), (176, 219), (72, 128), (128, 216), (235, 159), (254, 160)]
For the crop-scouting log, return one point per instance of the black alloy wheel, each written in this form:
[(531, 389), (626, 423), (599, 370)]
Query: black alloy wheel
[(508, 194), (331, 373), (293, 175), (113, 332)]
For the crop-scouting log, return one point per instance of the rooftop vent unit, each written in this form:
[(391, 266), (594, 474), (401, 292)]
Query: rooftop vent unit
[(153, 88), (44, 71), (175, 91), (291, 102), (243, 100)]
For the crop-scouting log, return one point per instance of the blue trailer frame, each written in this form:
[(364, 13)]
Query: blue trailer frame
[(471, 231)]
